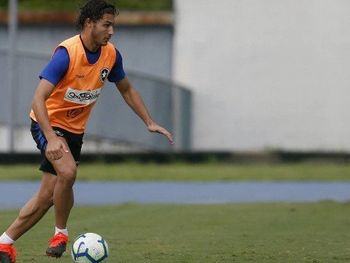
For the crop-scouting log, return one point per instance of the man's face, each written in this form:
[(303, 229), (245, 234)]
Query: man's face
[(102, 30)]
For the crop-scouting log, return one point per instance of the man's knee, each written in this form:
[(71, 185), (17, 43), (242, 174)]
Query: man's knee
[(67, 174)]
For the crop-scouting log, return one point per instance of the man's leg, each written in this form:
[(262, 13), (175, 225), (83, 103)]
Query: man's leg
[(63, 199), (28, 216), (34, 209)]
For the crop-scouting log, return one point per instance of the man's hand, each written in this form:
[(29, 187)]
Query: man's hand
[(134, 100), (55, 148), (154, 127)]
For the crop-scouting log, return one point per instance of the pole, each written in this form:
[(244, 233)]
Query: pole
[(12, 33)]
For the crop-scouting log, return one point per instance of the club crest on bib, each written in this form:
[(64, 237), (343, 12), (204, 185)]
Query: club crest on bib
[(104, 74)]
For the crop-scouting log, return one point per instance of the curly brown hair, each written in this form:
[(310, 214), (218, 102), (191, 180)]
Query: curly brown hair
[(95, 9)]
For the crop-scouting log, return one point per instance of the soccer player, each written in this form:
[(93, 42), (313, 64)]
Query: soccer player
[(68, 89)]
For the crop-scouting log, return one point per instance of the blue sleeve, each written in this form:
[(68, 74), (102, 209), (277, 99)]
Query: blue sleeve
[(57, 67), (117, 73)]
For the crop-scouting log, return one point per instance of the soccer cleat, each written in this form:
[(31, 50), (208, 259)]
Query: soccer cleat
[(7, 253), (57, 245)]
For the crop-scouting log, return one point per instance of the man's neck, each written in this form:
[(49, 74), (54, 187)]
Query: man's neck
[(88, 43)]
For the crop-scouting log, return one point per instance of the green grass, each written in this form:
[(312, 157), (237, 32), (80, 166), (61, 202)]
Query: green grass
[(69, 5), (241, 233), (192, 172)]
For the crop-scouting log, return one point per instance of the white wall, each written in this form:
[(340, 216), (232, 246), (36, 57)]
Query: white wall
[(266, 73)]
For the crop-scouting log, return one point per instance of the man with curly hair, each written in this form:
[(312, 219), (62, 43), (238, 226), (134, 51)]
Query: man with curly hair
[(68, 89)]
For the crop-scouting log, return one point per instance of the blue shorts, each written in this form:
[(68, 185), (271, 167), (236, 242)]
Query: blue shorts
[(74, 141)]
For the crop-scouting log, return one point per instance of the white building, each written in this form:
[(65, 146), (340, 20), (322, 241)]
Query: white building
[(266, 73)]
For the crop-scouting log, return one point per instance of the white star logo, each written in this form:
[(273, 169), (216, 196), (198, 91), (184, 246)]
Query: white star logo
[(104, 74)]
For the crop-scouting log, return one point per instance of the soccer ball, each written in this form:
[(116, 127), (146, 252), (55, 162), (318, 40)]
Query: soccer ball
[(89, 248)]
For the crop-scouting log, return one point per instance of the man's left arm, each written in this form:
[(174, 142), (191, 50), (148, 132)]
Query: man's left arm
[(134, 100)]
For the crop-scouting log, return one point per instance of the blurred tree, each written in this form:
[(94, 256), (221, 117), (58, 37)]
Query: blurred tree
[(3, 4), (73, 5)]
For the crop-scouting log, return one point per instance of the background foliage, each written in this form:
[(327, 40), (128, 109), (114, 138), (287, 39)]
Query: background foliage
[(69, 5)]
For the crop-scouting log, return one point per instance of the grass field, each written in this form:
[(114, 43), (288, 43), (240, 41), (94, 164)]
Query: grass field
[(192, 172), (297, 233)]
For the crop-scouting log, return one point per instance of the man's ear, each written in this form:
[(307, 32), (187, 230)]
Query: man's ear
[(88, 22)]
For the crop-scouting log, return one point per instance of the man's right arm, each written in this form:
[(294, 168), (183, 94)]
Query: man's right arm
[(54, 144), (41, 94), (49, 78)]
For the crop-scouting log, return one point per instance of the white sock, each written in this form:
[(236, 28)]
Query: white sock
[(63, 231), (5, 239)]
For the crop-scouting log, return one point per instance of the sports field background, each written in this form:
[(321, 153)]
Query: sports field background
[(262, 232), (272, 232), (314, 233), (133, 171)]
